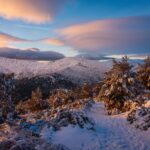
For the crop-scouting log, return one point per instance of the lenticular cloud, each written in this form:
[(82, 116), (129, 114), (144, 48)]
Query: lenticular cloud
[(127, 34), (6, 39)]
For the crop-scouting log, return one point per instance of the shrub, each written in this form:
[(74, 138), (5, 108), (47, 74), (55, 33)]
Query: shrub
[(36, 103), (61, 97), (140, 117)]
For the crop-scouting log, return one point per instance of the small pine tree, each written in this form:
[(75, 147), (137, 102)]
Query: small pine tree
[(86, 91), (96, 89), (36, 102), (120, 85), (144, 73)]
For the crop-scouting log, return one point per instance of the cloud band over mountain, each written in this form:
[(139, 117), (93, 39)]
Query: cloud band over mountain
[(125, 35), (30, 54)]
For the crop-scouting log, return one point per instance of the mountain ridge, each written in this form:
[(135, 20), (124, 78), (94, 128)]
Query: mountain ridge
[(76, 69)]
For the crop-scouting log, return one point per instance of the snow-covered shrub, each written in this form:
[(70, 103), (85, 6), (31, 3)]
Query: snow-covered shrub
[(14, 137), (62, 98), (87, 91), (6, 96), (140, 117), (65, 117), (61, 109), (120, 86), (144, 72)]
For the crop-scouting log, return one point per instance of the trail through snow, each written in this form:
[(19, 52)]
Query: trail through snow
[(112, 133)]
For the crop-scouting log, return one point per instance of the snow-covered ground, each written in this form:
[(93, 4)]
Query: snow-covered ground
[(112, 133), (73, 68)]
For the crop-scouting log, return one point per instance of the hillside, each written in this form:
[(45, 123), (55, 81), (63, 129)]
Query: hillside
[(78, 70), (42, 107)]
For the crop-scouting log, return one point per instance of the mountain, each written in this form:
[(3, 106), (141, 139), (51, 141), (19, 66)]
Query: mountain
[(92, 56), (78, 70), (30, 54)]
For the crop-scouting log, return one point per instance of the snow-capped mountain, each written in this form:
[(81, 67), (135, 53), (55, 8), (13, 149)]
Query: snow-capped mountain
[(77, 69), (29, 54)]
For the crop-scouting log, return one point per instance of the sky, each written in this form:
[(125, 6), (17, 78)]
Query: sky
[(73, 27)]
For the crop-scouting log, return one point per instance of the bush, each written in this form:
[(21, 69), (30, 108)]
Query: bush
[(140, 117), (61, 99), (66, 117), (36, 103)]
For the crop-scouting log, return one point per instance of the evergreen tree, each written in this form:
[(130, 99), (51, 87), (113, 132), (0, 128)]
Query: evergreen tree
[(120, 86), (144, 73), (36, 102), (86, 91)]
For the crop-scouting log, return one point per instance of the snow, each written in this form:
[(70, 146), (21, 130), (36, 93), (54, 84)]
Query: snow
[(111, 133), (147, 104), (131, 56), (72, 68)]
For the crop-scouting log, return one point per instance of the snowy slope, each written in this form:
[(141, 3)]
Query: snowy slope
[(112, 133), (77, 69)]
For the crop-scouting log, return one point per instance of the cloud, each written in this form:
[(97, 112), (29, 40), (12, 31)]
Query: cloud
[(125, 35), (6, 39), (54, 41), (34, 11), (30, 54)]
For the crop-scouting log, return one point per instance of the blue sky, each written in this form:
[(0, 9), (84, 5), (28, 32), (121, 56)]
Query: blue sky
[(76, 26)]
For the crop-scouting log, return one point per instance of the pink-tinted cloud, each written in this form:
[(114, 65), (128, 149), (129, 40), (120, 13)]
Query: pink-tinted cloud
[(54, 41), (6, 39), (35, 11), (127, 34)]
